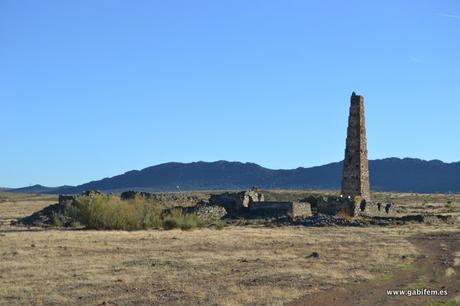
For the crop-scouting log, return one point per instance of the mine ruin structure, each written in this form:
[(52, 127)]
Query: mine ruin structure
[(355, 180)]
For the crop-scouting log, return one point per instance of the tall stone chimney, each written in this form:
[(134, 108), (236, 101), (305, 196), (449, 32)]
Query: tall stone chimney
[(355, 180)]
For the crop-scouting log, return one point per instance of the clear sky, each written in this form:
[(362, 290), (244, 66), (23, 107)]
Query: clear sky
[(90, 89)]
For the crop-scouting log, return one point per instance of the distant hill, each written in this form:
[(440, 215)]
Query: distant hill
[(391, 174), (39, 189)]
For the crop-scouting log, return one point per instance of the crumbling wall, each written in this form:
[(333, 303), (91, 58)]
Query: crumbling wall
[(251, 203), (206, 211), (332, 205), (377, 209), (279, 209), (234, 201)]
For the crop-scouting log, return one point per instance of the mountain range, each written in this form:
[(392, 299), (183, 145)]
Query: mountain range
[(390, 174)]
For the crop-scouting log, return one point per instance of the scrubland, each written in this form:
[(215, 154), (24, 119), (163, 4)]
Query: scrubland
[(237, 265)]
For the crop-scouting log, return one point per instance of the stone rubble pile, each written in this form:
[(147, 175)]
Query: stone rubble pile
[(208, 211)]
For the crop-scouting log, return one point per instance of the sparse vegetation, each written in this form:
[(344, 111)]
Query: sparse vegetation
[(235, 266), (177, 219), (6, 196)]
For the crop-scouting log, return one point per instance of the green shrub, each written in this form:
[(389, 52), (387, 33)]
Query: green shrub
[(111, 213), (190, 222), (170, 223), (57, 219), (177, 219)]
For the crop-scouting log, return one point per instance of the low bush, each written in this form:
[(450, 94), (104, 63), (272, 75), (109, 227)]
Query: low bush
[(177, 219), (109, 212)]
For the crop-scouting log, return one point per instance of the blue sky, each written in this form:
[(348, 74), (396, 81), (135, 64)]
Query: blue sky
[(90, 89)]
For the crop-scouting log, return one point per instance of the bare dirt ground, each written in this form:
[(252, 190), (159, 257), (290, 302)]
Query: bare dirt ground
[(239, 265)]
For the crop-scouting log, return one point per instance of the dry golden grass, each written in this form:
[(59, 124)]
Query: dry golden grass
[(17, 206), (19, 209), (237, 265)]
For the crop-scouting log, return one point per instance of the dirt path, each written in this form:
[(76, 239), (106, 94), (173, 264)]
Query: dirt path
[(433, 269)]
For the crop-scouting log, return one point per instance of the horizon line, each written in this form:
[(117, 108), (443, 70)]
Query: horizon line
[(228, 161)]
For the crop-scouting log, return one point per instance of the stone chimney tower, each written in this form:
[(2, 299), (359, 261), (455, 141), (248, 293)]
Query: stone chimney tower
[(355, 180)]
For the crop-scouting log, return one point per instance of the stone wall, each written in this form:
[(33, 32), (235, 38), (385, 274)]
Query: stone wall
[(332, 205), (206, 211), (378, 209), (252, 204), (279, 209)]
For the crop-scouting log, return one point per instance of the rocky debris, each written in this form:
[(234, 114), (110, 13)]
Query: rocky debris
[(208, 211), (423, 218), (328, 220), (47, 217), (313, 255), (315, 220)]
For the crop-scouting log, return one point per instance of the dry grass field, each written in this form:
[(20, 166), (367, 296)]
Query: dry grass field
[(14, 206), (238, 265)]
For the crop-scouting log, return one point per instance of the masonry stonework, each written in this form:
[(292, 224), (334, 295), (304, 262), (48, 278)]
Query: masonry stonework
[(355, 180)]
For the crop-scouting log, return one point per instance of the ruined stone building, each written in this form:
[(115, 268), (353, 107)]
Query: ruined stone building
[(355, 180)]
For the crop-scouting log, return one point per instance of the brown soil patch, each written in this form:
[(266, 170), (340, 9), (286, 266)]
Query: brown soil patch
[(434, 269)]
